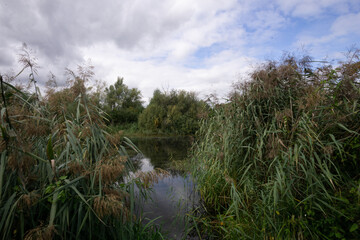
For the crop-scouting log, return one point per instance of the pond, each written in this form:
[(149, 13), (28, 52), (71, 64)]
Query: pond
[(172, 195)]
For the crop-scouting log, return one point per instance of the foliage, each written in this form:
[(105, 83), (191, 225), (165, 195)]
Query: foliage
[(123, 104), (280, 160), (177, 112), (61, 175)]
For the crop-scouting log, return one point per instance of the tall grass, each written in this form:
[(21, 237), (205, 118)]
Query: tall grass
[(281, 159), (61, 175)]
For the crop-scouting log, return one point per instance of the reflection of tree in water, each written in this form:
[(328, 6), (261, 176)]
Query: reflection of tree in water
[(173, 193), (163, 150)]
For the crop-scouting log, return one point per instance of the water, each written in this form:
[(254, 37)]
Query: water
[(173, 195)]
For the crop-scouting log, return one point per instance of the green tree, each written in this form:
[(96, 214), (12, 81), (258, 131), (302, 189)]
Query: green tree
[(122, 103), (175, 112)]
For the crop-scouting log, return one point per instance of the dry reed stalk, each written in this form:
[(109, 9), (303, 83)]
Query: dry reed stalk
[(40, 233), (109, 205), (111, 169), (151, 177)]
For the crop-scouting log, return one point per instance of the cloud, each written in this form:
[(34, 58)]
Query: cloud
[(7, 58), (314, 9), (342, 29), (116, 34), (346, 24), (58, 28), (195, 45), (217, 75)]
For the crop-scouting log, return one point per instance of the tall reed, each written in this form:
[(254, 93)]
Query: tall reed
[(280, 160), (61, 175)]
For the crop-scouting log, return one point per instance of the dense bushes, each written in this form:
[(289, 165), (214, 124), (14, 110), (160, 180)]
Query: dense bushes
[(177, 112), (281, 159)]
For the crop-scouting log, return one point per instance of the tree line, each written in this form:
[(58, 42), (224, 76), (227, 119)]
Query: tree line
[(174, 112)]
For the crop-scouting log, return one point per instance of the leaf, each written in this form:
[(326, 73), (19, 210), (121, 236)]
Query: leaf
[(84, 200), (149, 224), (49, 150), (30, 154), (53, 209), (338, 235), (49, 189), (2, 171), (346, 129), (354, 227), (63, 177), (4, 134)]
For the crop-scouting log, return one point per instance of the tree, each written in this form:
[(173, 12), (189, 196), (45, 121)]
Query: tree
[(175, 112), (123, 104)]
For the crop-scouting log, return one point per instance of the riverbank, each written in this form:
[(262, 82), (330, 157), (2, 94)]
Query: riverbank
[(131, 130)]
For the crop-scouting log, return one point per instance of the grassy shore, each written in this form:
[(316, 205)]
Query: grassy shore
[(132, 130)]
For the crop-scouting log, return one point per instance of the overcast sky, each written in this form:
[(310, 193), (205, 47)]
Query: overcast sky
[(196, 45)]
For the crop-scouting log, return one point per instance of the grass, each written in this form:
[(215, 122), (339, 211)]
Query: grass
[(280, 160)]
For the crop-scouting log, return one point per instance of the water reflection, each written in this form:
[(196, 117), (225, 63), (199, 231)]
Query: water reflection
[(161, 150), (146, 165), (172, 196)]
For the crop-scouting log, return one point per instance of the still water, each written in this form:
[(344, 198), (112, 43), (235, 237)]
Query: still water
[(173, 195)]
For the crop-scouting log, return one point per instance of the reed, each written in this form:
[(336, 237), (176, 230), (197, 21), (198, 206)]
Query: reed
[(280, 160), (61, 175)]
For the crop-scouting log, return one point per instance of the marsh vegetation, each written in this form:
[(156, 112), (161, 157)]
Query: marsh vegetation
[(62, 176), (278, 160)]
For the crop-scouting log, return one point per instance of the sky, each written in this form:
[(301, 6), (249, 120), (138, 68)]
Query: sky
[(196, 45)]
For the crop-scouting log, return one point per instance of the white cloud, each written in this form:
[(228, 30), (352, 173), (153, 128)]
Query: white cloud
[(217, 76), (347, 24), (195, 45)]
